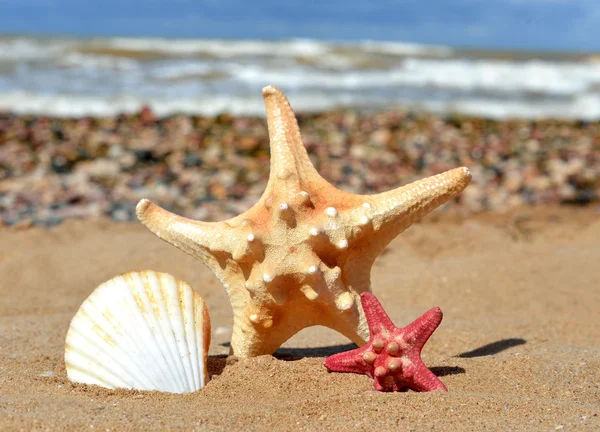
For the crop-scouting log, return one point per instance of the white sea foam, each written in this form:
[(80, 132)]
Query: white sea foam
[(467, 75), (91, 62), (217, 48), (585, 107), (530, 76), (70, 77), (404, 49), (20, 49), (186, 68)]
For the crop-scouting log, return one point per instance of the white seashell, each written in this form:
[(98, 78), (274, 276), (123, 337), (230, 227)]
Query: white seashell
[(142, 330)]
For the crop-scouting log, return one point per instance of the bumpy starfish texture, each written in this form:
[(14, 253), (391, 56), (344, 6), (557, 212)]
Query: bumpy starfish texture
[(303, 253), (392, 357)]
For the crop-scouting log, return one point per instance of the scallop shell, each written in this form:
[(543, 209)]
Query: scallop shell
[(142, 330)]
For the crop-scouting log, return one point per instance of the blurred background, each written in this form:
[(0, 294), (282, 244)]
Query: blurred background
[(104, 103)]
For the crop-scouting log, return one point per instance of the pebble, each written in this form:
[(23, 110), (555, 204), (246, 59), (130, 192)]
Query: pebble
[(52, 169)]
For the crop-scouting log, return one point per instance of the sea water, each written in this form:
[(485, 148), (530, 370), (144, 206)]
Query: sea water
[(106, 76)]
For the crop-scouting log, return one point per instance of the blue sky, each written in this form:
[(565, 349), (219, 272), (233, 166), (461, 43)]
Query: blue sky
[(572, 25)]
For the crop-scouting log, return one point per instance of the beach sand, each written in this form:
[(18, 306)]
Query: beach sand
[(518, 349)]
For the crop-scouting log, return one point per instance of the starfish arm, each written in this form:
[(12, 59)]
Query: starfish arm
[(349, 361), (251, 340), (193, 237), (384, 216), (420, 330), (377, 318), (289, 159), (423, 380)]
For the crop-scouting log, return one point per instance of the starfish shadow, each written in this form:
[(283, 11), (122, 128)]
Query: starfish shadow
[(299, 353), (493, 348), (291, 354), (447, 370)]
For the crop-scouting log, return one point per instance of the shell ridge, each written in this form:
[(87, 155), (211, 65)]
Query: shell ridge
[(118, 308), (94, 311), (157, 340), (167, 329), (142, 334), (187, 307), (101, 358), (78, 372), (170, 292), (199, 309), (199, 337)]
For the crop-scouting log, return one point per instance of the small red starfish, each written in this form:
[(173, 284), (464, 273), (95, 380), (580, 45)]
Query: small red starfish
[(392, 357)]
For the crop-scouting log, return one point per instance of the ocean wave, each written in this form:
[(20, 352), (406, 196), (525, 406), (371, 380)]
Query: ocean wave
[(68, 77), (91, 62), (218, 48), (24, 49), (286, 48), (583, 107), (469, 75)]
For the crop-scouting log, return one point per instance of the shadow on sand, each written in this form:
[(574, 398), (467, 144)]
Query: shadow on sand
[(492, 348)]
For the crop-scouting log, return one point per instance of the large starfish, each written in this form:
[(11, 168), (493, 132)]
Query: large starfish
[(303, 253), (392, 357)]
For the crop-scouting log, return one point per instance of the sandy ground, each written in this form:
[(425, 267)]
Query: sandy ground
[(519, 346)]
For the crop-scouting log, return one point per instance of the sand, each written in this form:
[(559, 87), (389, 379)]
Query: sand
[(519, 346)]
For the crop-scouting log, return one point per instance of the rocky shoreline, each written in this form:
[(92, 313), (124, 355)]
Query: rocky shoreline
[(214, 168)]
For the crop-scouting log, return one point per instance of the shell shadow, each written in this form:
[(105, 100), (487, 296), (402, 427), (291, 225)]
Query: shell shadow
[(216, 364), (492, 348)]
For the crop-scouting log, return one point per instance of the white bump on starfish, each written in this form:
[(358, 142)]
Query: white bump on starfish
[(260, 320), (380, 372), (393, 348), (284, 207), (284, 173), (378, 345), (331, 211), (304, 196), (309, 292), (344, 302), (251, 238), (394, 365), (239, 254), (335, 217), (342, 244), (268, 323), (369, 357), (313, 269), (336, 272)]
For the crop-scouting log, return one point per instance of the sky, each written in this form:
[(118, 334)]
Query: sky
[(556, 25)]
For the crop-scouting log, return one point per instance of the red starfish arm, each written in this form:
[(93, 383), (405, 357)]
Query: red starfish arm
[(349, 361), (377, 319), (420, 330), (422, 379)]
